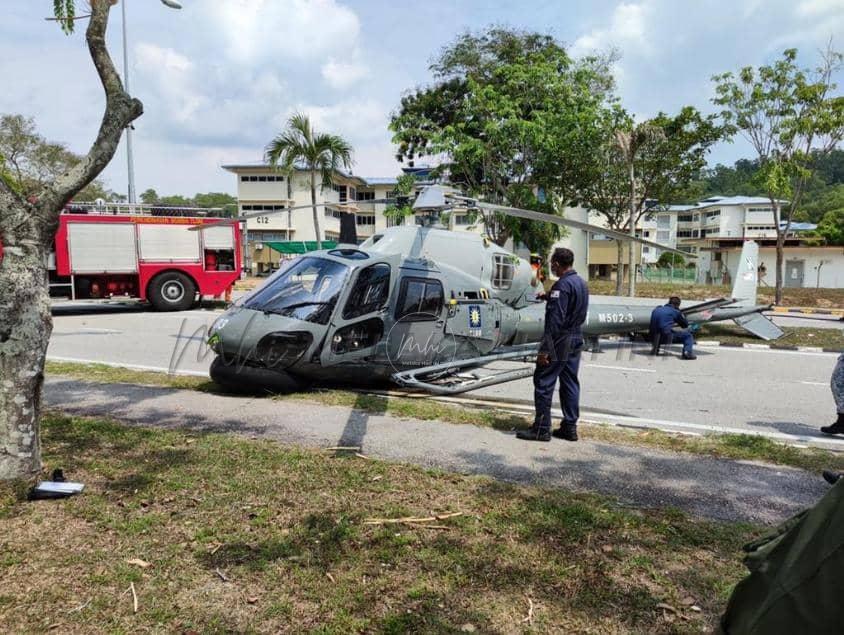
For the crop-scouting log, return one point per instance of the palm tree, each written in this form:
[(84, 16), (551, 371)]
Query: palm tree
[(318, 152)]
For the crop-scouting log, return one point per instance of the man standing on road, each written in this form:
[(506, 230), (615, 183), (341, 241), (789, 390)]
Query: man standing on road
[(837, 385), (559, 351), (663, 320)]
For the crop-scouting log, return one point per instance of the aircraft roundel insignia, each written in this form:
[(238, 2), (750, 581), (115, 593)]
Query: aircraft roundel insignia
[(474, 316)]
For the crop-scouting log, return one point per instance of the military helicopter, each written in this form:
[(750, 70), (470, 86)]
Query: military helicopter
[(418, 305)]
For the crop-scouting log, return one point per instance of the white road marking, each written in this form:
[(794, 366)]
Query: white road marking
[(624, 368), (815, 383), (87, 331), (154, 369)]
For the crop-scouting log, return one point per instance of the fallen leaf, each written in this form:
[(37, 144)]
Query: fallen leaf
[(143, 564), (251, 600)]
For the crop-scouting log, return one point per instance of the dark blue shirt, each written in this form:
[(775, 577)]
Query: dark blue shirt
[(565, 312), (665, 317)]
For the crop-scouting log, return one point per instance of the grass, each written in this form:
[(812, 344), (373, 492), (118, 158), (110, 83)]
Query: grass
[(817, 298), (733, 446), (794, 336), (248, 536)]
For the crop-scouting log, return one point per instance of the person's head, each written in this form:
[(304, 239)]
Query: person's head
[(674, 301), (561, 261)]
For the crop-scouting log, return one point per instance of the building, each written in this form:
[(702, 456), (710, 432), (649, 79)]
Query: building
[(262, 188)]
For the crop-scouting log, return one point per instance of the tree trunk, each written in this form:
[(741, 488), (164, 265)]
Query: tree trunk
[(619, 278), (779, 277), (780, 255), (316, 216), (25, 327), (27, 230), (631, 272)]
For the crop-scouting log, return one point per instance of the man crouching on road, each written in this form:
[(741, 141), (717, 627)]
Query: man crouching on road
[(663, 320), (559, 351)]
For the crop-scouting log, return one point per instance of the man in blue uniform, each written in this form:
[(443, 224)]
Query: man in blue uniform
[(559, 351), (663, 320)]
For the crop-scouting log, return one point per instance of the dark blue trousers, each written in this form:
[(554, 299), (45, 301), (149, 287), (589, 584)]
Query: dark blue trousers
[(545, 379), (685, 338)]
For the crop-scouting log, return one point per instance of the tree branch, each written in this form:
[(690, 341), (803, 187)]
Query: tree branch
[(121, 109)]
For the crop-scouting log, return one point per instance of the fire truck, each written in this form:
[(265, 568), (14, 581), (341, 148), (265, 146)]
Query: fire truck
[(119, 251)]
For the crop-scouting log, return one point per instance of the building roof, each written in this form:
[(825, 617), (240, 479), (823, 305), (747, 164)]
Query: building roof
[(253, 165), (735, 200)]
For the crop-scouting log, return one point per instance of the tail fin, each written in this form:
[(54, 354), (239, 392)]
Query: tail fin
[(747, 275)]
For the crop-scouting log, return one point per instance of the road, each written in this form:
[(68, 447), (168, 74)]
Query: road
[(783, 394)]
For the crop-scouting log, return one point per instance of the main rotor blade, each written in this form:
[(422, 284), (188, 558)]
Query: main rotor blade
[(237, 219), (567, 222)]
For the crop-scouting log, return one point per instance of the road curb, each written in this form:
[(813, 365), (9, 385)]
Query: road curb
[(801, 349), (808, 311)]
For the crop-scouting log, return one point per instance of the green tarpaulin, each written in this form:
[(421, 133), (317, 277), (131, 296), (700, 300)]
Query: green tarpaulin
[(299, 246)]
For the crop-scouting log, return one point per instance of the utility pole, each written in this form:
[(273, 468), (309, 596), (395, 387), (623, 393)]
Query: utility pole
[(631, 284)]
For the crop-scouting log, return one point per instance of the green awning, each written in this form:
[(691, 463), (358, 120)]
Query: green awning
[(299, 246)]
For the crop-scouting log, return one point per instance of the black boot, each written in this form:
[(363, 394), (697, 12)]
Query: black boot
[(835, 428), (831, 477), (534, 434), (566, 433)]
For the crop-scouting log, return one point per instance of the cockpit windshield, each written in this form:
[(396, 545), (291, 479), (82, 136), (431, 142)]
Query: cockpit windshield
[(307, 290)]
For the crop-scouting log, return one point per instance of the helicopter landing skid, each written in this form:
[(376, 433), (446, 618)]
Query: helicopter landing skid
[(446, 379)]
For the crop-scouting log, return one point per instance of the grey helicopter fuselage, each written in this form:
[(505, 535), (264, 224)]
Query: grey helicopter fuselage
[(410, 297)]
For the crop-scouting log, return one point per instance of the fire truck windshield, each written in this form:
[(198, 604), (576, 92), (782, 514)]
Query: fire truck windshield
[(306, 290)]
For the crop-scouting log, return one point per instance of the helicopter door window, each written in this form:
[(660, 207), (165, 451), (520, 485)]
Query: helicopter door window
[(502, 271), (420, 300), (370, 291)]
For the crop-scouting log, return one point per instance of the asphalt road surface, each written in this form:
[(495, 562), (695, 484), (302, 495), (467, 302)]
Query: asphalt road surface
[(783, 394)]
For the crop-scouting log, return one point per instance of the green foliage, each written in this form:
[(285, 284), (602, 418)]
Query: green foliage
[(30, 161), (666, 154), (319, 152), (669, 259), (831, 227), (65, 12), (226, 202), (514, 115)]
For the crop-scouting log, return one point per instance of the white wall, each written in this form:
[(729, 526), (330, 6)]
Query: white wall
[(831, 271)]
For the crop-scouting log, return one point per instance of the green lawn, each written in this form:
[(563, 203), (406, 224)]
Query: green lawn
[(213, 533), (794, 336)]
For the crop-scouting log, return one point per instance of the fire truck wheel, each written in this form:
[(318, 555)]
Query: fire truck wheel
[(172, 291)]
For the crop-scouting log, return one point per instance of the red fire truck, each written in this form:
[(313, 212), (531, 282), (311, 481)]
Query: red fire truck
[(110, 251)]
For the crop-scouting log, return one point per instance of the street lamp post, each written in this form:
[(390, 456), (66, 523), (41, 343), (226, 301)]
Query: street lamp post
[(129, 162)]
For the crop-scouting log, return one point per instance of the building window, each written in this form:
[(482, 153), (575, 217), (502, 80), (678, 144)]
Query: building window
[(419, 300), (365, 196), (760, 210), (646, 250), (502, 271), (262, 208), (663, 236), (663, 221), (713, 214), (333, 213), (365, 219), (370, 291), (685, 218), (462, 219), (342, 191), (684, 233)]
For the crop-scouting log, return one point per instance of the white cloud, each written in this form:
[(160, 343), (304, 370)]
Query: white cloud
[(815, 8), (343, 75), (627, 30), (256, 30)]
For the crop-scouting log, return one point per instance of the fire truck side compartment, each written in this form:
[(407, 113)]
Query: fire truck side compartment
[(101, 247)]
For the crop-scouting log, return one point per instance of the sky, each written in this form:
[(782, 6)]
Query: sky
[(219, 78)]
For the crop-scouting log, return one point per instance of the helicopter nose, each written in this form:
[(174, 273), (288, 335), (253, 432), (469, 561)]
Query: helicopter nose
[(283, 349)]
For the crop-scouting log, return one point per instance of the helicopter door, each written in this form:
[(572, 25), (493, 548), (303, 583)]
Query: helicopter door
[(417, 336), (356, 330)]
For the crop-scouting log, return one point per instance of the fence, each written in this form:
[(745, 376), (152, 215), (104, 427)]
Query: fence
[(677, 275)]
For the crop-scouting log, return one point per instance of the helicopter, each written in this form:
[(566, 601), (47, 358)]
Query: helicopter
[(419, 306)]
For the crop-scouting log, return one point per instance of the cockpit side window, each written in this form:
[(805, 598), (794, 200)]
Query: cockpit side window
[(370, 291), (502, 271), (420, 299)]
